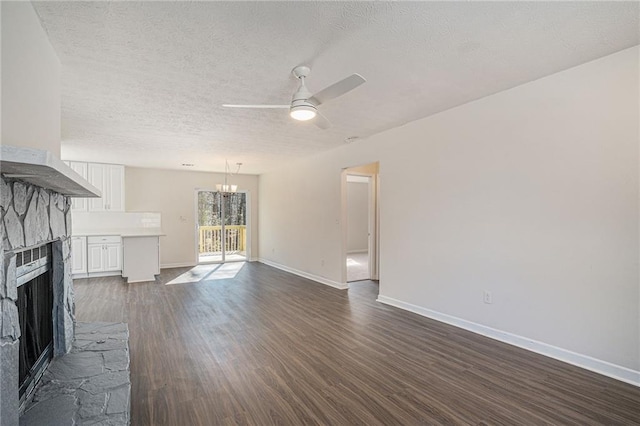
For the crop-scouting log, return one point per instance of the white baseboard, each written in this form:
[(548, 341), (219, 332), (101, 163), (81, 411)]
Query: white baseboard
[(96, 274), (191, 264), (357, 251), (303, 274), (139, 281), (178, 265), (598, 366)]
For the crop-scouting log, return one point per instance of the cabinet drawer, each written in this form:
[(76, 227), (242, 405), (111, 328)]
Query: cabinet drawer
[(103, 239)]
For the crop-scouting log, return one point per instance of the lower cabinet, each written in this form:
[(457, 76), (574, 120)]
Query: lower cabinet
[(136, 258), (104, 253), (96, 254), (78, 255)]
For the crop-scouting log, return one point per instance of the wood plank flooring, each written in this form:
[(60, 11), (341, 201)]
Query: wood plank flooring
[(267, 347)]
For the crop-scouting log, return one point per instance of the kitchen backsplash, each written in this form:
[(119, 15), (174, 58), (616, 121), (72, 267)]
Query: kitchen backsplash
[(96, 221)]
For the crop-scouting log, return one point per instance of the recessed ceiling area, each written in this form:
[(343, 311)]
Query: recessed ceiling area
[(143, 83)]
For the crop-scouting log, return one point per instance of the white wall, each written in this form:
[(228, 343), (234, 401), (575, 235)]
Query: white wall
[(172, 193), (357, 216), (30, 81), (531, 194)]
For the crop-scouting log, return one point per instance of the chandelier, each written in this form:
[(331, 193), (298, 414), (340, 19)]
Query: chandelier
[(225, 187)]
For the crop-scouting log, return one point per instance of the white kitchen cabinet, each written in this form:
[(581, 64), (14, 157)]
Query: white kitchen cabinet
[(116, 188), (104, 254), (109, 178), (79, 204), (96, 177), (79, 255), (95, 257), (113, 257)]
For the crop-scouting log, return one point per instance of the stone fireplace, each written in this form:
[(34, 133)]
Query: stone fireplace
[(87, 380), (31, 217), (35, 229)]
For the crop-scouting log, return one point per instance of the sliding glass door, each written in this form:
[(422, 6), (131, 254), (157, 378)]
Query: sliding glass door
[(221, 226)]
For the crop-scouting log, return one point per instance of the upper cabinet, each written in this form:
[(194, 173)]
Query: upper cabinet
[(108, 178), (79, 204)]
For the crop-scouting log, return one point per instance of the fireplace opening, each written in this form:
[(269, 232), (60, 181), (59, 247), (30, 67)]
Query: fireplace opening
[(35, 312)]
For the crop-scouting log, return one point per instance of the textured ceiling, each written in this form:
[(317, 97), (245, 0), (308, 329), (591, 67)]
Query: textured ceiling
[(143, 82)]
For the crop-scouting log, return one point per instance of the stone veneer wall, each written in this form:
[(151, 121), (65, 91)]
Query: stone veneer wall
[(31, 216)]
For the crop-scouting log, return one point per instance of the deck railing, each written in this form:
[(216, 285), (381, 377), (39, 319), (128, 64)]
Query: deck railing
[(210, 239)]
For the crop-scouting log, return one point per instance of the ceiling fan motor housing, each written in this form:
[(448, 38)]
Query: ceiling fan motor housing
[(301, 108)]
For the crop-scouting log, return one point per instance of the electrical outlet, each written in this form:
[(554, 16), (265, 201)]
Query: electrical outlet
[(486, 297)]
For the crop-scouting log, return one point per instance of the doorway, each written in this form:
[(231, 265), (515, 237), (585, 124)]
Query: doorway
[(360, 214), (221, 226)]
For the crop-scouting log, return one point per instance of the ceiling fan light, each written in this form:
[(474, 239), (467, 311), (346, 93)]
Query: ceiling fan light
[(302, 112)]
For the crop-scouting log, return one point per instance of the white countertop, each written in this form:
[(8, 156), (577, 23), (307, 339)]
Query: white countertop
[(124, 233)]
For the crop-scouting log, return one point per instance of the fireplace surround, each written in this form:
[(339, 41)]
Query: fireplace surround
[(31, 216)]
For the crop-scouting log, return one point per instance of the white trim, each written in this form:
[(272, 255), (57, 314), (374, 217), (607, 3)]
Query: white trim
[(352, 178), (598, 366), (373, 212), (96, 274), (344, 215), (140, 281), (177, 265), (357, 251), (307, 275), (192, 265)]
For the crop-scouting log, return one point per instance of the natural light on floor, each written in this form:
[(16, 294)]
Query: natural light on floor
[(358, 266), (351, 262), (216, 271)]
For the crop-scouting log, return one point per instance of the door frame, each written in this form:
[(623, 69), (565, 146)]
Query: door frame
[(373, 225), (196, 225)]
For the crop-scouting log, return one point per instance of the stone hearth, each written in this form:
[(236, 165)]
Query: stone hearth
[(88, 386)]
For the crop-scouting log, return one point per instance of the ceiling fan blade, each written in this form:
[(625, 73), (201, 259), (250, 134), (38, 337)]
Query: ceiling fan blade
[(337, 89), (321, 121), (256, 106)]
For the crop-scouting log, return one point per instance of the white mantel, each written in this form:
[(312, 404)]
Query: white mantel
[(41, 168)]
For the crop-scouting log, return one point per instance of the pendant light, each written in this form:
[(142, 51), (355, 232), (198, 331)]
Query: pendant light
[(225, 187)]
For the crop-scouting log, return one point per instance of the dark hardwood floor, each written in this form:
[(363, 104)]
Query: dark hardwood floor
[(268, 347)]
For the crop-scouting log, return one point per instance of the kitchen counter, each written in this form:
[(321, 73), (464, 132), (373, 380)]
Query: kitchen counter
[(111, 243), (133, 253), (123, 232)]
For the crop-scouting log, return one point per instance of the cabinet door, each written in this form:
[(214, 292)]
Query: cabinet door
[(78, 255), (95, 257), (113, 257), (79, 204), (114, 188), (96, 177)]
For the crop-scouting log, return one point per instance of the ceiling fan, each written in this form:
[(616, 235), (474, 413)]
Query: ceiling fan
[(304, 105)]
